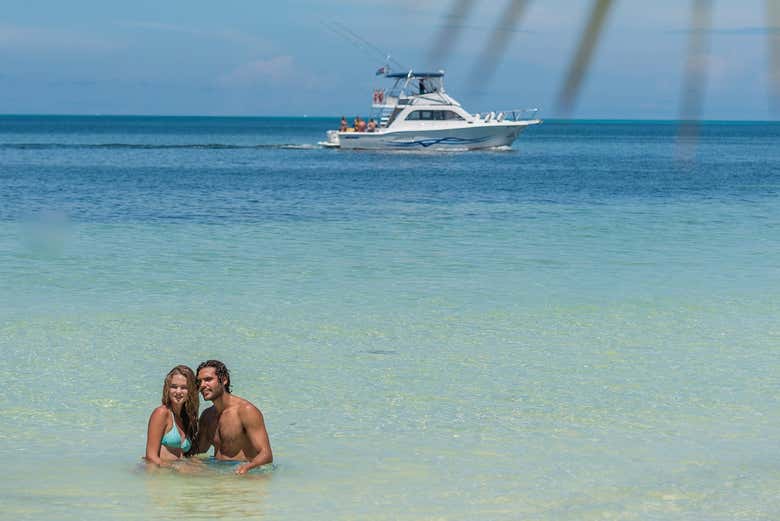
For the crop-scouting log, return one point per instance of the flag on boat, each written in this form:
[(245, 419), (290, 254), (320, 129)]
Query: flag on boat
[(381, 70)]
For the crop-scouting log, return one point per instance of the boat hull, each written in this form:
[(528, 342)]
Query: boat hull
[(456, 138)]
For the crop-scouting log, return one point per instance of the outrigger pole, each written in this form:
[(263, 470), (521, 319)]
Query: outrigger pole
[(361, 43)]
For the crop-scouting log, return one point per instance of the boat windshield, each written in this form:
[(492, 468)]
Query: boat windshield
[(434, 115), (416, 84)]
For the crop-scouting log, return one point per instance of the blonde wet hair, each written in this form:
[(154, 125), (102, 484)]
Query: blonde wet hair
[(189, 413)]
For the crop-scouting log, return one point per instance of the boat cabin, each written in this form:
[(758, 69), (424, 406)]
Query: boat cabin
[(416, 97)]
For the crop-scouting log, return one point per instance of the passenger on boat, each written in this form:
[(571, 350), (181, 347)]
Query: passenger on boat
[(356, 124), (371, 125), (343, 125), (362, 125), (422, 86)]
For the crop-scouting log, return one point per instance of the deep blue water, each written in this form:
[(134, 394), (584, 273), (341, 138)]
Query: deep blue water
[(115, 169)]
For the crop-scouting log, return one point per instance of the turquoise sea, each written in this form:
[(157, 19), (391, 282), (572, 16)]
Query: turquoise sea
[(582, 328)]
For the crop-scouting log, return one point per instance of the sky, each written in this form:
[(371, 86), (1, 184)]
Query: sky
[(301, 57)]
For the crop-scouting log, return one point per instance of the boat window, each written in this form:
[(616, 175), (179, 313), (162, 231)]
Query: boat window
[(450, 115), (429, 115), (420, 114)]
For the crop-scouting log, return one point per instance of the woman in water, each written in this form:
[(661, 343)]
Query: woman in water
[(173, 426)]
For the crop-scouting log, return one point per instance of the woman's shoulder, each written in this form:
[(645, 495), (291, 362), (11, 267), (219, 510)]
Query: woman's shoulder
[(160, 412)]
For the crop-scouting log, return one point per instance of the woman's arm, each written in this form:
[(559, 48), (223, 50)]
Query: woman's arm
[(154, 434)]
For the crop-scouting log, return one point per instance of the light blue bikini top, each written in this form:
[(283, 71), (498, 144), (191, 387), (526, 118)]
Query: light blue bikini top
[(172, 438)]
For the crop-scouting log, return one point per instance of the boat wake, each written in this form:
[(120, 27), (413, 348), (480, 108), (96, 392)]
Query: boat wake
[(302, 147), (150, 146)]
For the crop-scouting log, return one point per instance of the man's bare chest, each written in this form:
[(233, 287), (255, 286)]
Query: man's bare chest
[(229, 430)]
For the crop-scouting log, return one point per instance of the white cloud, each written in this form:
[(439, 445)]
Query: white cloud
[(244, 40)]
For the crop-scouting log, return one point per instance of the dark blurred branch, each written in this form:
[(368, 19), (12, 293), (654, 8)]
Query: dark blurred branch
[(773, 37), (579, 66), (499, 40), (449, 32), (695, 77)]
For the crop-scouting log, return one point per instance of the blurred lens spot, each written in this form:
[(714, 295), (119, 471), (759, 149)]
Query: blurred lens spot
[(46, 234)]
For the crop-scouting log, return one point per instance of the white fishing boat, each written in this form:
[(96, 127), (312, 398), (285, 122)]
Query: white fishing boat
[(417, 113)]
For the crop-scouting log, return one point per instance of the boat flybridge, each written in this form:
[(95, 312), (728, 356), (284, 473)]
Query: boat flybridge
[(417, 113)]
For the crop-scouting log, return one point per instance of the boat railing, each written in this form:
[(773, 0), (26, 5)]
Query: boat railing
[(508, 115)]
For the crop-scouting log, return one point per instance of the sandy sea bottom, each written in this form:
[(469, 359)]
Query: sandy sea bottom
[(565, 338)]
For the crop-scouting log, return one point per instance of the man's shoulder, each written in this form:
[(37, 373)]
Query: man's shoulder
[(245, 407)]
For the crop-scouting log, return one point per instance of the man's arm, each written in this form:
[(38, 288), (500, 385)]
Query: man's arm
[(206, 425), (254, 426)]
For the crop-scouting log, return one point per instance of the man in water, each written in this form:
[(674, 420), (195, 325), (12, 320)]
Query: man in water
[(233, 425)]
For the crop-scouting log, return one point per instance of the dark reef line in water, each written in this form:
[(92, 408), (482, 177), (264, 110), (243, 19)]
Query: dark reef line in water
[(141, 146)]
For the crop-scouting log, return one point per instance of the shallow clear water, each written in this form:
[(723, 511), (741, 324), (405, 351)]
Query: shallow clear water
[(584, 327)]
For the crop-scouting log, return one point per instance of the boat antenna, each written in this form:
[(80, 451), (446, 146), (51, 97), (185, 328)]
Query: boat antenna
[(360, 42)]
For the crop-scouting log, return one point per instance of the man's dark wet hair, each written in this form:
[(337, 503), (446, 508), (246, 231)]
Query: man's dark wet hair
[(222, 372)]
